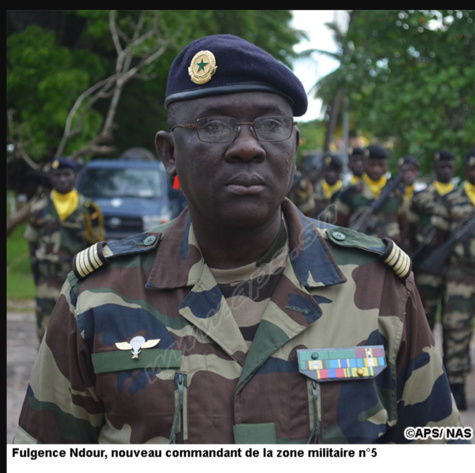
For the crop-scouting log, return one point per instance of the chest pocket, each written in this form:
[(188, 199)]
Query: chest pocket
[(142, 396), (349, 386)]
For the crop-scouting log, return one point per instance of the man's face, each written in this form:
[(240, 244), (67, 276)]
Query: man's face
[(409, 173), (444, 170), (355, 163), (332, 174), (237, 184), (375, 168), (63, 180), (470, 174)]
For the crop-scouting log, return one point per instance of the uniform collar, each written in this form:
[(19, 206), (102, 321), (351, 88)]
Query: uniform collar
[(180, 263)]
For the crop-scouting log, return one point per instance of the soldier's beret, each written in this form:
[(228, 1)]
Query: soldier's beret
[(357, 152), (63, 163), (332, 160), (224, 64), (409, 160), (376, 151), (444, 155)]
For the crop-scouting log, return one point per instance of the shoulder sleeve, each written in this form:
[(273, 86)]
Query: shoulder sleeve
[(60, 404), (423, 393), (101, 253), (385, 248)]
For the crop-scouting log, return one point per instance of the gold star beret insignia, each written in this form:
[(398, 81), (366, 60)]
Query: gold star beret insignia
[(202, 67), (55, 164)]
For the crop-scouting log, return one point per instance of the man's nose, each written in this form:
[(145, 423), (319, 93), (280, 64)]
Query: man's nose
[(245, 146)]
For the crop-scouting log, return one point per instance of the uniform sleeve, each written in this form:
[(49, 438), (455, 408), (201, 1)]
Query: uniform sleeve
[(60, 405), (424, 397)]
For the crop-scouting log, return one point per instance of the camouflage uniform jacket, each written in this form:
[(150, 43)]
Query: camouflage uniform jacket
[(422, 208), (59, 241), (200, 382)]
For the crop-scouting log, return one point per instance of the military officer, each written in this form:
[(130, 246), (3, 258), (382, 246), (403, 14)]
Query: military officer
[(241, 321), (456, 217), (422, 235), (60, 225)]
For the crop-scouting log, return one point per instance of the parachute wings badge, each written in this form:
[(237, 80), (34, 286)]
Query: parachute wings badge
[(136, 345)]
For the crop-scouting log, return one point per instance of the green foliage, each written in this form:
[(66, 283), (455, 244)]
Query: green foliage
[(43, 81), (20, 285), (312, 137), (410, 76), (48, 69)]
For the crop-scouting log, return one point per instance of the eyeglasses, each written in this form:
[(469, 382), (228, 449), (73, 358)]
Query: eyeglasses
[(225, 129)]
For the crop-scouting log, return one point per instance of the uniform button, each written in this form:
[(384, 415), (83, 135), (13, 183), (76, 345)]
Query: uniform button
[(339, 236), (315, 356), (360, 371), (150, 240)]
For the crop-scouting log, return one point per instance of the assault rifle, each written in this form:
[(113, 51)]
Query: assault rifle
[(436, 262), (365, 220)]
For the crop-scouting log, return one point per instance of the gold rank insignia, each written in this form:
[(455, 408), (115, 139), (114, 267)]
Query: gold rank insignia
[(55, 164), (202, 67), (136, 345)]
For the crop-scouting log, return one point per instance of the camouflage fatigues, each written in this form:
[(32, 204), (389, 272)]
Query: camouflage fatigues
[(457, 319), (325, 208), (57, 243), (201, 383), (358, 196), (431, 286)]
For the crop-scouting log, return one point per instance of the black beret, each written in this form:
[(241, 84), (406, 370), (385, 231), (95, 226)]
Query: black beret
[(63, 163), (332, 160), (409, 160), (444, 155), (376, 151), (225, 64), (357, 152)]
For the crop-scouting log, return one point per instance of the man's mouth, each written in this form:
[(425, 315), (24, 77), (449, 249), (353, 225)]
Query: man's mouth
[(245, 184)]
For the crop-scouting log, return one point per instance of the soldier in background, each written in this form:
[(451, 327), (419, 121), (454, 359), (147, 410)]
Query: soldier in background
[(455, 218), (301, 194), (389, 219), (356, 164), (61, 224), (422, 239), (327, 188)]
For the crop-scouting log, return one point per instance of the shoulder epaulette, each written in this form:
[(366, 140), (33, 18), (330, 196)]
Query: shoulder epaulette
[(95, 256), (385, 248)]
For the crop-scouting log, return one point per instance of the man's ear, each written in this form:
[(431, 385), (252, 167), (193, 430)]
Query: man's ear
[(165, 146)]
